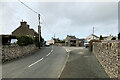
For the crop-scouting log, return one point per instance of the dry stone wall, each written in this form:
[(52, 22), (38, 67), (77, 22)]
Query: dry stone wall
[(108, 54), (12, 52)]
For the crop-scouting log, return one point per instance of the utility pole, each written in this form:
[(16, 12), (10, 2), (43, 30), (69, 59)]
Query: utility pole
[(54, 35), (93, 32), (39, 31), (54, 38), (119, 36)]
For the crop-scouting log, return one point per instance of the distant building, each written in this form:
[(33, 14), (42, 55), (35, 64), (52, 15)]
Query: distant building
[(110, 37), (56, 40), (81, 42), (50, 41), (105, 37), (91, 37), (71, 41), (24, 29)]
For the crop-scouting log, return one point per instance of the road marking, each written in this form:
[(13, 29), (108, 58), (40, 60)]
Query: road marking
[(52, 50), (35, 62), (48, 54), (40, 59)]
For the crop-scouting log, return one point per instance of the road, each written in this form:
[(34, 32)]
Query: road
[(53, 62), (46, 63), (82, 64)]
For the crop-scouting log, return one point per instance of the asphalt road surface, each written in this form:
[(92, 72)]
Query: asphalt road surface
[(82, 64), (46, 63), (49, 62)]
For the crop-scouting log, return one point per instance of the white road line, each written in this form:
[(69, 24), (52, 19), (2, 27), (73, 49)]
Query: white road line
[(35, 62), (48, 54), (52, 50), (40, 59)]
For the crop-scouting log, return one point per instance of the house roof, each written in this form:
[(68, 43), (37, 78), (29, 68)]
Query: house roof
[(71, 37), (26, 26), (92, 35)]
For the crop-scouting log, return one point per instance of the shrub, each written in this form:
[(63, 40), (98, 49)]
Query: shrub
[(24, 40), (101, 38)]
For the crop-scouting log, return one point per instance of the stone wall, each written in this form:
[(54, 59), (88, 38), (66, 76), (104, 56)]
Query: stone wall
[(13, 52), (108, 54)]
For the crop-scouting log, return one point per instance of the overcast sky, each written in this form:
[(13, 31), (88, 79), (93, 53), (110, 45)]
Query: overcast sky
[(62, 18)]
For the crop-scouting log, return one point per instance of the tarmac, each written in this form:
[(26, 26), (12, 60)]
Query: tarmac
[(83, 64)]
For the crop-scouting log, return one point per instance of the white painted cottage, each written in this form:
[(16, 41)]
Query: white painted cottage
[(91, 37)]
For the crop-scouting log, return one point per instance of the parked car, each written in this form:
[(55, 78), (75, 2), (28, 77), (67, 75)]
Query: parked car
[(86, 44), (47, 44)]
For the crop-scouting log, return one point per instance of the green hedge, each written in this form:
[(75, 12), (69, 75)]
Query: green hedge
[(24, 40)]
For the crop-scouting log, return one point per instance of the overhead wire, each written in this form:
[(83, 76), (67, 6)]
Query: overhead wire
[(47, 25), (36, 13), (28, 7)]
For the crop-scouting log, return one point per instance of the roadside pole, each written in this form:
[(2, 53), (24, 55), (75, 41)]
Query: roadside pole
[(119, 36), (39, 32)]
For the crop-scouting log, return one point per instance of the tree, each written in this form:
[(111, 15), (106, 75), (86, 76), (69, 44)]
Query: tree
[(24, 40), (114, 38), (101, 38)]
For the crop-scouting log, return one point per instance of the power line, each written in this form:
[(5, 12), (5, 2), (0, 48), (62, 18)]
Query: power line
[(46, 25), (28, 7), (36, 13)]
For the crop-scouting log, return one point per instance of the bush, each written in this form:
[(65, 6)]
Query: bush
[(24, 40), (61, 41), (101, 38)]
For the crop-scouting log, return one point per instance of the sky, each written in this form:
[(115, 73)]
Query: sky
[(62, 18)]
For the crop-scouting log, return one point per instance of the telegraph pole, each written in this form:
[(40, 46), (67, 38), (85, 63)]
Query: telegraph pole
[(93, 32), (39, 31), (54, 35)]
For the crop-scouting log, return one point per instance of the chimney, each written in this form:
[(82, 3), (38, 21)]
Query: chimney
[(23, 23)]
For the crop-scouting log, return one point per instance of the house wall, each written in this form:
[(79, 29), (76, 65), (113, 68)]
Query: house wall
[(90, 37), (13, 52), (108, 54)]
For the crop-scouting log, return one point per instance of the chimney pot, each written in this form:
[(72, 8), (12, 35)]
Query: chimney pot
[(23, 23)]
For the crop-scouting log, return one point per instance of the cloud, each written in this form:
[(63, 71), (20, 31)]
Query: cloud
[(82, 17), (62, 18)]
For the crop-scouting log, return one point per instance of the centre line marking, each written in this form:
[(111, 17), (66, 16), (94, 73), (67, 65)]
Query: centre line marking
[(35, 62), (48, 54), (52, 50)]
